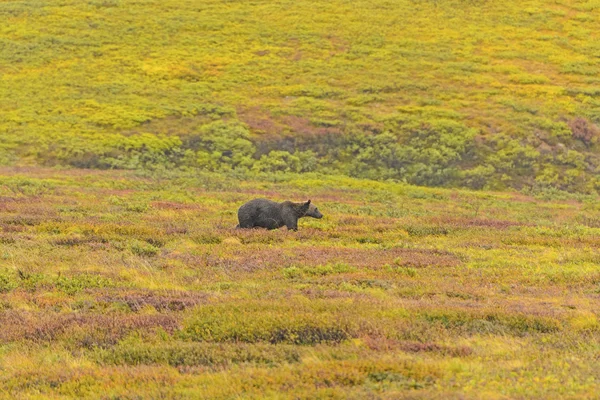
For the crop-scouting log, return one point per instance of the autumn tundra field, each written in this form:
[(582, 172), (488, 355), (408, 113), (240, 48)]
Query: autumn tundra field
[(122, 285), (452, 146)]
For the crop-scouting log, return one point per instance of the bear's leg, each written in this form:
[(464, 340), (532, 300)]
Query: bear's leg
[(291, 222), (245, 222)]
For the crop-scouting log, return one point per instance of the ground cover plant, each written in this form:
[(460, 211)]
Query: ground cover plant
[(128, 285), (478, 93)]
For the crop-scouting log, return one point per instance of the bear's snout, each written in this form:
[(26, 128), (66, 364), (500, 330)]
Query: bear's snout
[(316, 214)]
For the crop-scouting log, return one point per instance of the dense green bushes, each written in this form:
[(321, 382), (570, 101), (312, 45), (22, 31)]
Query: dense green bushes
[(441, 152)]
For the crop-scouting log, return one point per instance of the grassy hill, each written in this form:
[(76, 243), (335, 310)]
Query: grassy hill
[(116, 285), (483, 94), (133, 283)]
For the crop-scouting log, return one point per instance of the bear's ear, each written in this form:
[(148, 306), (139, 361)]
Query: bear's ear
[(304, 207)]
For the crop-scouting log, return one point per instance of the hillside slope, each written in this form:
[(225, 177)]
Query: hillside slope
[(485, 94)]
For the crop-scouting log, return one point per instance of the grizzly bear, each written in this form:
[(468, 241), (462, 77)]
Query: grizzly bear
[(263, 213)]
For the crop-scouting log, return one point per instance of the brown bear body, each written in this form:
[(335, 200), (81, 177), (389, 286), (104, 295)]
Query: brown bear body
[(263, 213)]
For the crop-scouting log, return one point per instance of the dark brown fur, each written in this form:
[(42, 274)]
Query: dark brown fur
[(263, 213)]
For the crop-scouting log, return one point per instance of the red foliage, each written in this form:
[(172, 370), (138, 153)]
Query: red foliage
[(172, 205), (161, 301), (107, 329), (583, 130)]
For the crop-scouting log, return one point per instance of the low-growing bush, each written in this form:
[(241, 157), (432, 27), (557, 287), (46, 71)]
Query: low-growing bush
[(257, 323), (77, 283), (214, 355), (144, 249), (493, 323), (207, 238), (8, 281), (424, 230)]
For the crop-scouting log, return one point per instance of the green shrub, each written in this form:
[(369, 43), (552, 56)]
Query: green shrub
[(144, 249), (424, 230), (8, 281), (207, 238), (214, 355), (77, 283), (256, 323)]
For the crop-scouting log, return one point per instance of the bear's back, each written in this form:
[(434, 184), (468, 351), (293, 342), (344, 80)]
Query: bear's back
[(261, 213)]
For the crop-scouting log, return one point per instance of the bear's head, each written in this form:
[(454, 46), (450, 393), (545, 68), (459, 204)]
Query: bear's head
[(310, 210)]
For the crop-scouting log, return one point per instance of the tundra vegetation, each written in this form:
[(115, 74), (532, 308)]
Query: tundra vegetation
[(463, 93), (133, 283), (121, 284)]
